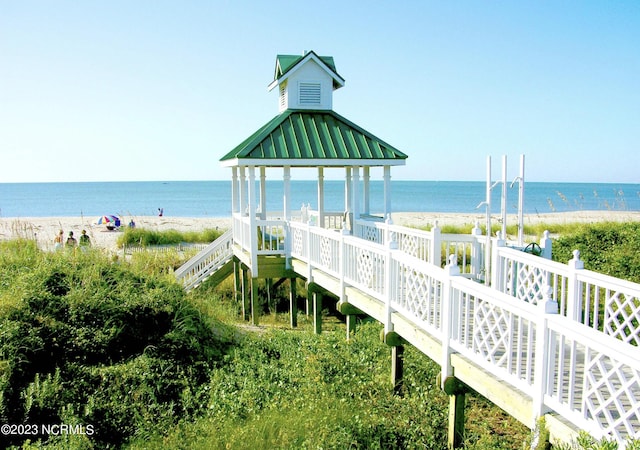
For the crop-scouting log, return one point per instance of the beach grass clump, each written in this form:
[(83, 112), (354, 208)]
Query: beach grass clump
[(611, 248), (146, 237), (85, 340)]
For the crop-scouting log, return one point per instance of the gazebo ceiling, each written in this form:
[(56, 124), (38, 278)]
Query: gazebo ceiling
[(308, 138)]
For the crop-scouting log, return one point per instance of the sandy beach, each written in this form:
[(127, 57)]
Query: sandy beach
[(44, 229)]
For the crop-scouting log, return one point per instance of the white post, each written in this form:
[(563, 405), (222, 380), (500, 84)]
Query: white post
[(321, 197), (263, 193), (309, 252), (544, 350), (347, 198), (476, 253), (546, 244), (389, 277), (448, 313), (503, 203), (487, 255), (253, 230), (521, 203), (243, 190), (387, 190), (286, 177), (574, 291), (366, 194), (435, 252), (234, 190), (356, 194), (497, 270)]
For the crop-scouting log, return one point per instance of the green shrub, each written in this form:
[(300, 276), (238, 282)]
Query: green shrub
[(608, 247), (94, 342)]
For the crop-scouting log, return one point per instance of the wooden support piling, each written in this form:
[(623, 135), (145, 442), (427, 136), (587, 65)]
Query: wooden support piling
[(255, 304), (268, 282), (246, 309), (293, 305), (397, 368), (317, 312), (455, 433), (456, 390), (351, 325), (237, 281)]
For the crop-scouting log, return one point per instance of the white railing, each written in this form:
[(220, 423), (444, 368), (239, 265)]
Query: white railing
[(431, 246), (593, 380), (602, 302), (270, 234), (206, 262), (590, 378)]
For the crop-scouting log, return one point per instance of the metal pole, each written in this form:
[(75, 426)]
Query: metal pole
[(487, 249), (521, 203), (503, 204)]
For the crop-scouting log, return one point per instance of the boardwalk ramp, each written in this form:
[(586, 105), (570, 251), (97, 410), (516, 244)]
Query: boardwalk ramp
[(216, 260)]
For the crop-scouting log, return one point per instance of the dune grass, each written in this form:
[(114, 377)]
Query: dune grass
[(146, 237)]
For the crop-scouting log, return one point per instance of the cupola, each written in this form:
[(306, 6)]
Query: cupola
[(306, 82)]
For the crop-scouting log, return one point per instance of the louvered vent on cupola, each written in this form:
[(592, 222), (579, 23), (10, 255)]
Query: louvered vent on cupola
[(309, 93), (306, 82)]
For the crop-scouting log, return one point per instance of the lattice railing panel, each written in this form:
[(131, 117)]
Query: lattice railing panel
[(372, 234), (416, 246), (365, 268), (622, 317), (298, 240), (612, 395), (326, 253), (420, 295), (526, 282), (492, 326)]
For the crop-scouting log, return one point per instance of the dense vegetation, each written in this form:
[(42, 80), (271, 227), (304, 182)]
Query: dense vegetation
[(609, 248), (118, 346), (145, 237), (84, 340)]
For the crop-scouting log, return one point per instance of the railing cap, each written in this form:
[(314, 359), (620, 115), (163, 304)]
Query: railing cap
[(576, 262), (452, 267)]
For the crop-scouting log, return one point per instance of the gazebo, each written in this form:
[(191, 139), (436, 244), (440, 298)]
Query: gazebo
[(306, 133)]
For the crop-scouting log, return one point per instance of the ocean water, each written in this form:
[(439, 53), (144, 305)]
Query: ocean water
[(213, 198)]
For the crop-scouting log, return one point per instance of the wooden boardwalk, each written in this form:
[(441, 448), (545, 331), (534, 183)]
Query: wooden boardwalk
[(518, 338)]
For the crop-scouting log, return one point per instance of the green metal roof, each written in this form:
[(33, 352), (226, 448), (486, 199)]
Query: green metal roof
[(313, 138), (284, 63)]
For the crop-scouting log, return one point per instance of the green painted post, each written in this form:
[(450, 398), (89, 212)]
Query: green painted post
[(293, 306)]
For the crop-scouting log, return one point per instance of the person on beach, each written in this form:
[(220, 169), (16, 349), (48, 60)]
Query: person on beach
[(132, 224), (71, 241), (160, 212), (57, 241), (84, 239)]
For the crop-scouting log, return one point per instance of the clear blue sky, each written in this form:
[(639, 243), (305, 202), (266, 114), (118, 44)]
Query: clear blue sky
[(160, 90)]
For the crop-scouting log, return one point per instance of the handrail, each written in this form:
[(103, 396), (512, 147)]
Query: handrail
[(564, 365), (602, 302), (206, 262)]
